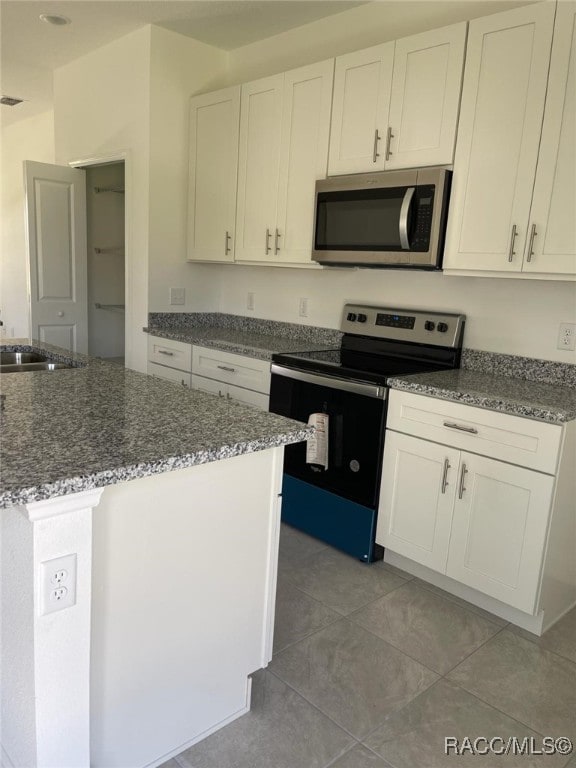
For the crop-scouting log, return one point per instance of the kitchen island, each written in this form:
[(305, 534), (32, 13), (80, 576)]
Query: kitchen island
[(168, 501)]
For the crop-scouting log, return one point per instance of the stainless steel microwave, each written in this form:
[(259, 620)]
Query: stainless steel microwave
[(387, 219)]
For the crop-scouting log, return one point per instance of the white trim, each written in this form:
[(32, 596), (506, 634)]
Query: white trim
[(124, 156), (5, 761), (61, 505)]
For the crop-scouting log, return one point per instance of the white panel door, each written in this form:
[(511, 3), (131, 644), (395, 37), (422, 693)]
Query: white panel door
[(551, 246), (426, 97), (416, 499), (56, 239), (362, 83), (258, 169), (498, 137), (304, 157), (214, 131), (499, 529)]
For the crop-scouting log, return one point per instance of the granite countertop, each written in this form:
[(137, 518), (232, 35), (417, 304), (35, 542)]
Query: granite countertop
[(520, 397), (97, 424)]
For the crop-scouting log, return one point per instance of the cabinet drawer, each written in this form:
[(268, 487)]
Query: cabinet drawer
[(175, 354), (525, 442), (170, 374), (242, 371)]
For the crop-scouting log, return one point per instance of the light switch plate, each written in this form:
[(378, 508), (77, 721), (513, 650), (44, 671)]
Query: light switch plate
[(177, 295)]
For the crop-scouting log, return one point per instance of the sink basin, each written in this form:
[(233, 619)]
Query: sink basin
[(38, 366), (18, 358)]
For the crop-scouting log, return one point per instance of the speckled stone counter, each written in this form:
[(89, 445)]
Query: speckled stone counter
[(243, 335), (520, 397), (76, 429)]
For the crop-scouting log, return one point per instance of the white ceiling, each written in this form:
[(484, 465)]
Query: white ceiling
[(32, 49)]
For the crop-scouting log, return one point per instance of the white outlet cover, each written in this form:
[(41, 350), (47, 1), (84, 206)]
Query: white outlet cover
[(58, 584), (177, 295)]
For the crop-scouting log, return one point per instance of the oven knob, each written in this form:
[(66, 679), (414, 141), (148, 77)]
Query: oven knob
[(429, 325), (362, 318), (442, 327), (351, 316)]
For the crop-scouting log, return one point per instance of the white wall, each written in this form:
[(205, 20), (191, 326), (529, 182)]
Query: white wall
[(101, 107), (180, 67), (30, 139)]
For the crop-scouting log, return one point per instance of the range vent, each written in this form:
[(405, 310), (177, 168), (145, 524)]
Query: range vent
[(10, 101)]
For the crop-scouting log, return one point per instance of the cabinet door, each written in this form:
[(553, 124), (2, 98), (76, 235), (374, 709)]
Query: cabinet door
[(426, 97), (248, 397), (304, 157), (499, 529), (498, 136), (362, 83), (552, 247), (170, 374), (211, 386), (416, 499), (258, 169), (214, 126)]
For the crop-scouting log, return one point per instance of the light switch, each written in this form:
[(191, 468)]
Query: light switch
[(177, 295)]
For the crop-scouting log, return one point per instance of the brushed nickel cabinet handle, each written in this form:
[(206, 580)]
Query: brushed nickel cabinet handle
[(389, 137), (445, 475), (375, 150), (277, 236), (462, 487), (226, 243), (511, 251), (453, 425), (165, 352), (267, 246), (226, 368), (533, 234)]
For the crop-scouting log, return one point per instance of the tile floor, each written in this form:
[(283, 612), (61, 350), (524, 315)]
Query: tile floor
[(373, 668)]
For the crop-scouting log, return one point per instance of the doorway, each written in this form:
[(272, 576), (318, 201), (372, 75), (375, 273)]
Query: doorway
[(105, 217)]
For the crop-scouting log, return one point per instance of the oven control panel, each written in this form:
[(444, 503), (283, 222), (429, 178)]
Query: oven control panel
[(417, 326)]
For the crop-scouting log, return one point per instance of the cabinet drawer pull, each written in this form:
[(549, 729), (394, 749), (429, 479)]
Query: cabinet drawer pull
[(165, 352), (375, 150), (277, 236), (389, 137), (226, 243), (267, 247), (533, 234), (453, 425), (226, 368), (445, 482), (511, 251), (462, 487)]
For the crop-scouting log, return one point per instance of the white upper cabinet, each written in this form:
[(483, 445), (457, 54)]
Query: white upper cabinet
[(426, 97), (284, 135), (498, 136), (259, 167), (214, 125), (551, 244), (362, 84), (396, 105)]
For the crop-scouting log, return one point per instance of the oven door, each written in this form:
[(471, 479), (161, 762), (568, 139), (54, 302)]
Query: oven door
[(338, 503)]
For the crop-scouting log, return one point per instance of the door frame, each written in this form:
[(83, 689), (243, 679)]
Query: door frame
[(122, 156)]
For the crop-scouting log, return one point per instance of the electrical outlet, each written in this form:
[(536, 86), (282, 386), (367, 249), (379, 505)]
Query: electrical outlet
[(303, 307), (250, 300), (567, 336), (177, 295), (58, 584)]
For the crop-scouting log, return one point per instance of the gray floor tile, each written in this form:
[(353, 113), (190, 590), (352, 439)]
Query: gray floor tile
[(297, 615), (281, 730), (341, 582), (353, 676), (434, 631), (360, 757), (296, 546), (560, 639), (461, 602), (528, 683), (415, 736)]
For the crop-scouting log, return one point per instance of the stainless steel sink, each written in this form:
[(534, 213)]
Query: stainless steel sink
[(39, 366), (19, 358)]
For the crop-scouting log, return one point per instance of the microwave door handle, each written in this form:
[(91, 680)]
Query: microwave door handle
[(408, 195)]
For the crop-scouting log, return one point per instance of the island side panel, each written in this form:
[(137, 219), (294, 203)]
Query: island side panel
[(184, 575)]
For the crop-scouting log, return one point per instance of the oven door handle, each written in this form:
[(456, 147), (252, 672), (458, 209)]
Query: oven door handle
[(347, 385), (404, 210)]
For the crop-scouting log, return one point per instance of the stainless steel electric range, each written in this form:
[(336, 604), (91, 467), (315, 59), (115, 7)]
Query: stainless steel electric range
[(331, 487)]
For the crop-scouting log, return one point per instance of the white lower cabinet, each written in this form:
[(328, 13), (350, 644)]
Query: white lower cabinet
[(230, 392), (235, 377), (503, 530), (169, 359)]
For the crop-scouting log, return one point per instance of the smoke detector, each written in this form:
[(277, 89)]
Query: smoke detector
[(55, 19), (10, 101)]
